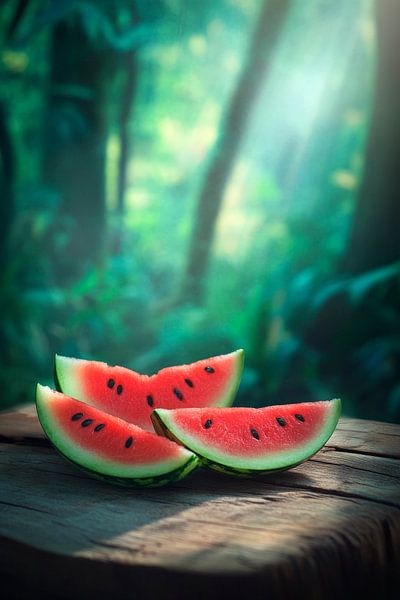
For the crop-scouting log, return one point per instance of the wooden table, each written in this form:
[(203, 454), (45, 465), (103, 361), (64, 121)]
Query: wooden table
[(329, 528)]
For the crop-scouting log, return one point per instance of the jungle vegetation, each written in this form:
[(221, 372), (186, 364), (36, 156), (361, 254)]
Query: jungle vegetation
[(179, 179)]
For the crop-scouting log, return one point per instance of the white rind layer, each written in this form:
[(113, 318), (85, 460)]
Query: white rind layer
[(67, 371)]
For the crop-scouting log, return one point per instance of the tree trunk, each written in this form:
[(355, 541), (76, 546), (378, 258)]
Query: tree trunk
[(7, 207), (128, 94), (74, 147), (374, 239), (232, 129), (7, 180)]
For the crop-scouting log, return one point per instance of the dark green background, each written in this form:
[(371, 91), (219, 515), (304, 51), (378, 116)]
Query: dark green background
[(182, 178)]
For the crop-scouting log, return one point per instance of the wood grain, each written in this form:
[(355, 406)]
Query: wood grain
[(329, 528)]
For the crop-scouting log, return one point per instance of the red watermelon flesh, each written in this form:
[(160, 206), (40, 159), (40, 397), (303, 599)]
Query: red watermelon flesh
[(108, 446), (132, 396), (252, 439)]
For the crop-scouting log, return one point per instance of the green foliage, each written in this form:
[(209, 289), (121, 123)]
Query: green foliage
[(351, 327), (271, 286)]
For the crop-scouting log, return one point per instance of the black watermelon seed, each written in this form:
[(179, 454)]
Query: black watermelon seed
[(281, 421), (299, 418), (99, 427), (76, 416), (111, 383), (87, 422), (209, 369), (119, 390), (150, 400), (129, 442), (254, 433), (208, 423), (178, 394), (189, 382)]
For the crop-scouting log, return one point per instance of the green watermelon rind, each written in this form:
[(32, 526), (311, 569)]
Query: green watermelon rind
[(243, 472), (67, 382), (161, 480), (57, 383), (145, 476), (163, 424)]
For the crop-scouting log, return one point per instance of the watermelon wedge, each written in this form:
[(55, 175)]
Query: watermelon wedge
[(132, 396), (108, 447), (251, 440)]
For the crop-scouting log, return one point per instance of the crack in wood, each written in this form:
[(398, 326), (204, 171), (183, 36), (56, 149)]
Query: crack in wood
[(14, 505), (109, 545), (341, 465), (340, 494), (25, 441), (343, 429), (362, 452)]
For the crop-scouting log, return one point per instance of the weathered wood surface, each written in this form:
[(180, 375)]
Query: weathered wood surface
[(329, 528)]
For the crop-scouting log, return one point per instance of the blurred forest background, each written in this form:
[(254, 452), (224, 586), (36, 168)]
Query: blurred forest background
[(179, 179)]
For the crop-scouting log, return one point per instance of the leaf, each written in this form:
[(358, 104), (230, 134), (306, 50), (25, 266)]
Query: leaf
[(49, 16), (360, 286), (97, 25)]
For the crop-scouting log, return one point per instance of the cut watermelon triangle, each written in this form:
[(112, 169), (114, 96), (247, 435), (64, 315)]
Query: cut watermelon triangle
[(108, 447), (250, 440), (132, 396)]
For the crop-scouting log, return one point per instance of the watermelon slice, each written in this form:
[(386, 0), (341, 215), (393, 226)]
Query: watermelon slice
[(132, 396), (251, 440), (108, 447)]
